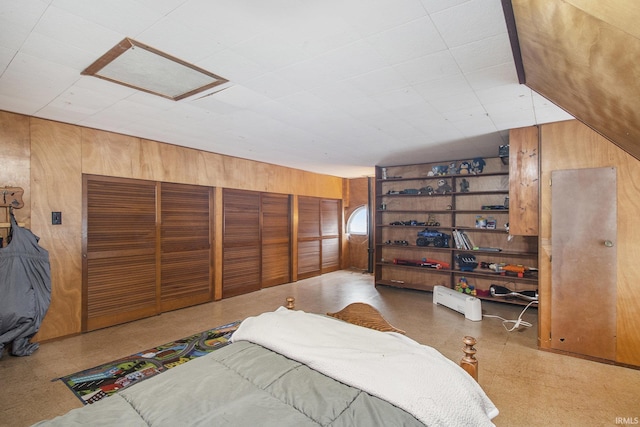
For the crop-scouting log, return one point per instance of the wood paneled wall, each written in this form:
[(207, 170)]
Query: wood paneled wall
[(572, 145), (583, 55), (48, 159)]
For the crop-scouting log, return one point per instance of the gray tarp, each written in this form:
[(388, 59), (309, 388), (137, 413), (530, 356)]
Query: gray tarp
[(25, 290)]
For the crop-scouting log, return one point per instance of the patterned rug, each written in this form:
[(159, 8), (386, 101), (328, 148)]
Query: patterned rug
[(102, 381)]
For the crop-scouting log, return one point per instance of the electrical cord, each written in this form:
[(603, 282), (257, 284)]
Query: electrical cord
[(517, 323)]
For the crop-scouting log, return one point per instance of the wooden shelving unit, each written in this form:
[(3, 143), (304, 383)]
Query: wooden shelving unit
[(408, 201)]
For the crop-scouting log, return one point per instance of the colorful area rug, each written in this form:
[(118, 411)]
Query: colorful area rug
[(102, 381)]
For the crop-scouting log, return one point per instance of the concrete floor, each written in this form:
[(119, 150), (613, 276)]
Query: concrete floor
[(530, 387)]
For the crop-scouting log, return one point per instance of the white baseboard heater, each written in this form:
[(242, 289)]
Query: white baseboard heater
[(470, 306)]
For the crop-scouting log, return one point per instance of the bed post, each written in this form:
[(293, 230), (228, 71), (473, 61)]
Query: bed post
[(469, 362), (290, 303)]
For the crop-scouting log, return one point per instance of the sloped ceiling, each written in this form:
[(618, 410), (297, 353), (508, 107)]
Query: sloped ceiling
[(328, 86), (585, 56)]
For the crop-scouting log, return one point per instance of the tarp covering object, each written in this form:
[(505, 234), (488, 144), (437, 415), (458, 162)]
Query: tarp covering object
[(25, 289)]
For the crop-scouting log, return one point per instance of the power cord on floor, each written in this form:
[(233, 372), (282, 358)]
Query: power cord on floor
[(517, 323)]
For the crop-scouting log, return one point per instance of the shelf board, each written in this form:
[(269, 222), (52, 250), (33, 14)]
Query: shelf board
[(415, 178), (449, 194), (496, 276), (413, 267), (403, 284)]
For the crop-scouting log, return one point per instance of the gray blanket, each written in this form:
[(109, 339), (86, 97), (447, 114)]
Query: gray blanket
[(242, 384)]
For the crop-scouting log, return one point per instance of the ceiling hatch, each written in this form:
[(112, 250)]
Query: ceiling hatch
[(136, 65)]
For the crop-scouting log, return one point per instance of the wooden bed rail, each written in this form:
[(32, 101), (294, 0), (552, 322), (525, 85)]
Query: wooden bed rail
[(362, 314)]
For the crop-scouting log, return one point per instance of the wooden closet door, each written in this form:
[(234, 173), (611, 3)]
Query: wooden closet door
[(241, 242), (276, 239), (309, 237), (119, 251), (186, 269), (330, 213)]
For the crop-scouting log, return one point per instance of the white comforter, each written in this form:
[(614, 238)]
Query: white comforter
[(412, 376)]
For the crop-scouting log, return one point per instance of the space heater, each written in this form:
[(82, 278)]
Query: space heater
[(468, 305)]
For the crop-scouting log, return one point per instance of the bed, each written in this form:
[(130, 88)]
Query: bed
[(292, 368)]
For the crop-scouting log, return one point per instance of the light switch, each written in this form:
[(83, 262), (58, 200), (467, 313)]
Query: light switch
[(56, 218)]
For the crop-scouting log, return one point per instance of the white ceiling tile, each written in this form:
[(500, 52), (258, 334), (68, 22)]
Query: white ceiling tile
[(379, 80), (240, 96), (230, 22), (470, 21), (429, 67), (17, 19), (484, 53), (321, 31), (77, 32), (503, 93), (46, 79), (460, 101), (449, 85), (489, 78), (373, 16), (433, 6), (408, 41), (122, 16), (163, 7), (187, 43), (272, 85), (352, 60), (6, 55), (271, 51), (232, 66), (53, 50)]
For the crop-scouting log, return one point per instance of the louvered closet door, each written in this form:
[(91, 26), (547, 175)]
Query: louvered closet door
[(276, 239), (119, 256), (330, 211), (241, 243), (185, 248), (309, 243)]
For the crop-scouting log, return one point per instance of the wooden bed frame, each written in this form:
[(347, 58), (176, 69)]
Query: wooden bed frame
[(362, 314)]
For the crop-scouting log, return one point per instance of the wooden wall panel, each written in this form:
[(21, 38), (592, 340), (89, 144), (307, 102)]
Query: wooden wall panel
[(15, 168), (56, 185), (524, 181), (65, 152), (582, 55), (572, 145)]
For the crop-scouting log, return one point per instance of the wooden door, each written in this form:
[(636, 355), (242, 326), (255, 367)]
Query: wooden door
[(186, 269), (276, 239), (309, 243), (241, 242), (583, 264), (331, 220), (119, 251)]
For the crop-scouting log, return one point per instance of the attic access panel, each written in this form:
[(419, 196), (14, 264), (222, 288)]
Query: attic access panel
[(138, 66)]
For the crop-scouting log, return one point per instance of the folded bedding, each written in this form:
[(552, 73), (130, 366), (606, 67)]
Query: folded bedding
[(414, 377), (265, 379)]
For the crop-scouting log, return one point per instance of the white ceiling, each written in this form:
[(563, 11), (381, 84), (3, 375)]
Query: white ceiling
[(328, 86)]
